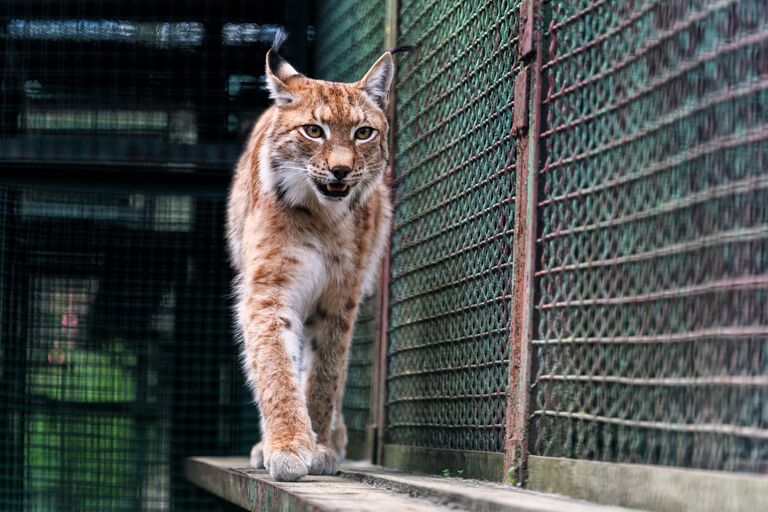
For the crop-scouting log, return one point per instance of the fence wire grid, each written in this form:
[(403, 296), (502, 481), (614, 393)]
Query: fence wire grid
[(450, 283), (117, 354), (154, 83), (350, 37), (651, 292)]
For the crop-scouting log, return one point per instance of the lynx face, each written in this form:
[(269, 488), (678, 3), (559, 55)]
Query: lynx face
[(329, 144)]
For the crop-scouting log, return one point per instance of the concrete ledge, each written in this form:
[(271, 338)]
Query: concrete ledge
[(481, 465), (660, 488), (360, 487)]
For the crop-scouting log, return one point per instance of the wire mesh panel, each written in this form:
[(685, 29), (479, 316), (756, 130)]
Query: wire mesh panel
[(116, 355), (450, 285), (357, 393), (652, 293), (350, 37)]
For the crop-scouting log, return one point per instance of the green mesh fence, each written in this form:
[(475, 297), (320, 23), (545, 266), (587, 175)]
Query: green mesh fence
[(350, 37), (117, 354), (357, 394), (652, 290), (450, 289)]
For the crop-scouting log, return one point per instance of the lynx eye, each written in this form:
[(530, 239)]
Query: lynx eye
[(312, 131), (364, 133)]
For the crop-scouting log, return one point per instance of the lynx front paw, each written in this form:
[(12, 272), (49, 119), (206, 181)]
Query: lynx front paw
[(257, 456), (287, 467), (289, 463), (324, 461)]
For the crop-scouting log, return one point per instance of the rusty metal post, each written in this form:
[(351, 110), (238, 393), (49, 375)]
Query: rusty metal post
[(526, 127), (377, 426)]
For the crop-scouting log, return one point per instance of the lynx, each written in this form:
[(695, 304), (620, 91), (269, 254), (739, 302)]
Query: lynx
[(308, 221)]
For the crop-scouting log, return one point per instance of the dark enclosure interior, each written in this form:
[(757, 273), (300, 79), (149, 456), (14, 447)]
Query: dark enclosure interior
[(119, 124)]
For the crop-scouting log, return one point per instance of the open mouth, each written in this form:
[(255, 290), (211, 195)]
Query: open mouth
[(334, 190)]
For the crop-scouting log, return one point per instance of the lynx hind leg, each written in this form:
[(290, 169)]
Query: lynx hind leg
[(257, 452), (324, 461), (339, 434), (326, 381), (257, 456)]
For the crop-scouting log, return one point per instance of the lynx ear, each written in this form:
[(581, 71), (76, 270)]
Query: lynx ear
[(278, 73), (378, 79)]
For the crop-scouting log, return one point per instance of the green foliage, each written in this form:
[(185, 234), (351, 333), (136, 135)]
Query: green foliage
[(68, 457), (88, 376), (447, 473), (511, 476)]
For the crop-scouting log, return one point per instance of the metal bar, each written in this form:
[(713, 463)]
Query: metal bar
[(669, 118), (525, 48), (448, 341), (447, 368), (714, 145), (451, 199), (450, 284), (695, 428), (463, 54), (465, 220), (411, 424), (447, 397), (524, 267), (496, 236), (457, 141), (715, 380), (720, 333), (379, 373), (453, 312), (722, 285)]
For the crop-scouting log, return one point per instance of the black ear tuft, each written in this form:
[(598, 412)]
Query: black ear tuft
[(278, 72), (403, 48), (280, 38), (274, 60)]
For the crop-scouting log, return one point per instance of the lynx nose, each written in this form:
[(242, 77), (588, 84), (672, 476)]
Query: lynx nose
[(340, 172)]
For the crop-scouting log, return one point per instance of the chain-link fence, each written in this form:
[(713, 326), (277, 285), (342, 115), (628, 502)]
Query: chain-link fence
[(651, 302), (350, 37), (452, 238), (644, 132)]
